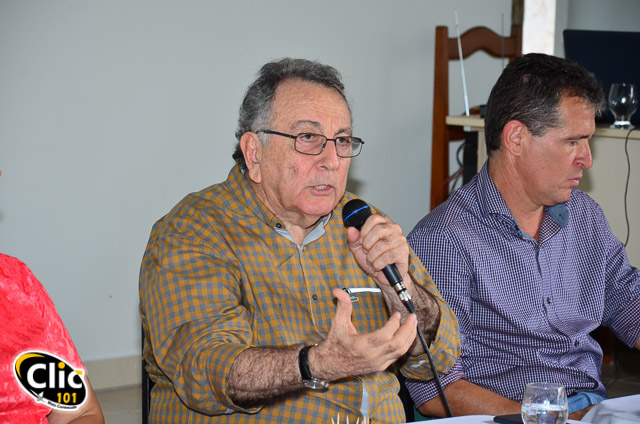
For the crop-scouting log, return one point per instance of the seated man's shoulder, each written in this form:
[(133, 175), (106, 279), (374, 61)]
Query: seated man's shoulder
[(214, 201), (580, 198), (581, 203), (460, 210), (204, 214), (210, 197)]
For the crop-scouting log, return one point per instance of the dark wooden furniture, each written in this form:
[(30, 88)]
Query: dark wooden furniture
[(473, 40)]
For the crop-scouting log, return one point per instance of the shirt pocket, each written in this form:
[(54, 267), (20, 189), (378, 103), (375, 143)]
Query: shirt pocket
[(369, 310)]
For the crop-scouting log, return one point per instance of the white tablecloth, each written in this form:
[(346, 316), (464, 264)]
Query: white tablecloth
[(466, 419), (474, 419), (623, 410)]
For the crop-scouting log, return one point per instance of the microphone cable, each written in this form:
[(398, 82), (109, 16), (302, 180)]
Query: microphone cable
[(626, 186), (436, 377)]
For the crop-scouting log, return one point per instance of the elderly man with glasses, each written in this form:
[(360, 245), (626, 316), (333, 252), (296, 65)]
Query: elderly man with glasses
[(258, 304)]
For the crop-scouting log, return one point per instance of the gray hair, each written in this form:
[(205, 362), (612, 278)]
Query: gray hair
[(255, 111)]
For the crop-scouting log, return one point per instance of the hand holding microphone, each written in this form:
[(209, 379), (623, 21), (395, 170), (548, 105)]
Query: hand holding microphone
[(345, 351), (355, 214)]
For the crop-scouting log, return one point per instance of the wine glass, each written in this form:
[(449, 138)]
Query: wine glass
[(623, 102), (545, 403)]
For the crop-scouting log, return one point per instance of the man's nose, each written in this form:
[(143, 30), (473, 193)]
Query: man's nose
[(329, 156), (584, 158)]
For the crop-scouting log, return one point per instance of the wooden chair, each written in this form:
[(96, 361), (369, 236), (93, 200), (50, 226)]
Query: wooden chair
[(473, 40), (147, 384)]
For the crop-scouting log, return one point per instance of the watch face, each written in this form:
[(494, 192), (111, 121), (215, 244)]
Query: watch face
[(315, 384)]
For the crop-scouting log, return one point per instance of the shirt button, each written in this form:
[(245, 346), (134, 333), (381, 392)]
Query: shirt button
[(576, 343), (315, 297), (548, 300)]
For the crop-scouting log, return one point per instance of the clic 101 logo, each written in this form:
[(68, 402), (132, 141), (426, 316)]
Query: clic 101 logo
[(51, 380)]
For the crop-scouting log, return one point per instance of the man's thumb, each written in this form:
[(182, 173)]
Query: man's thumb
[(344, 306)]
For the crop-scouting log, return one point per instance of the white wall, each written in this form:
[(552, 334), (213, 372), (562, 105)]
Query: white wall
[(111, 111)]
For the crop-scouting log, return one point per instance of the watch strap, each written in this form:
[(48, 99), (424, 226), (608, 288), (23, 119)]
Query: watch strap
[(308, 380), (303, 362)]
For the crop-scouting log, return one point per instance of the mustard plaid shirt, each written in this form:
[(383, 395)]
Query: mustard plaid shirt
[(217, 278)]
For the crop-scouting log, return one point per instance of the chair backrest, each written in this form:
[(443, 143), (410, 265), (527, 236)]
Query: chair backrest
[(147, 385), (446, 49)]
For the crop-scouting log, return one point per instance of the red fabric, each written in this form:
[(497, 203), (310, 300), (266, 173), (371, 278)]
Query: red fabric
[(29, 323)]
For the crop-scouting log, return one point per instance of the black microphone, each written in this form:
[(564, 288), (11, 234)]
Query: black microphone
[(354, 214)]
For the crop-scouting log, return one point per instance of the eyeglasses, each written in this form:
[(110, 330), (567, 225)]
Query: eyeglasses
[(314, 144)]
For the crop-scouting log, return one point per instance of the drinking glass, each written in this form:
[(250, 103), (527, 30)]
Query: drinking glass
[(545, 403), (623, 102)]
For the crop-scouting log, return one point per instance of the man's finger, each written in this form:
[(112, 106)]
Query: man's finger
[(408, 330), (388, 331), (392, 340), (343, 307)]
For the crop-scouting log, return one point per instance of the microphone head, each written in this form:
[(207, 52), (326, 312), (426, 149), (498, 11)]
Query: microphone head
[(355, 213)]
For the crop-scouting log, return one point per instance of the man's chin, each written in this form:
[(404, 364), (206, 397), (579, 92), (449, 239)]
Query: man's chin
[(563, 197), (318, 211), (320, 205)]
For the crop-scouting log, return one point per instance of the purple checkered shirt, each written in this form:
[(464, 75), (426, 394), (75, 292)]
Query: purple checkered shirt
[(526, 307)]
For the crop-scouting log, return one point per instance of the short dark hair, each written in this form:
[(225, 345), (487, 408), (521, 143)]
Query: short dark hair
[(255, 111), (531, 89)]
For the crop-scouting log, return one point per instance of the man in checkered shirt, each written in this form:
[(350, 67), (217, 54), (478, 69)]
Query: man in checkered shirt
[(258, 305)]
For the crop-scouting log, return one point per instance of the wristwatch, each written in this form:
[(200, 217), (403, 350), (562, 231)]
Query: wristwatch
[(308, 380)]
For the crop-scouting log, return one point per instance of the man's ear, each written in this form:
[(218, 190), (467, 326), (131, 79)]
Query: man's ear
[(514, 135), (252, 150)]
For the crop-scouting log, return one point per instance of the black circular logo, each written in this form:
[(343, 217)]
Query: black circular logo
[(51, 380)]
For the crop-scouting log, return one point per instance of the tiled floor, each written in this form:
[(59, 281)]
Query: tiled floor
[(123, 406)]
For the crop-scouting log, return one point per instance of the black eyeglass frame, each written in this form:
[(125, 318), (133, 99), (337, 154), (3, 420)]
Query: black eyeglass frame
[(357, 141)]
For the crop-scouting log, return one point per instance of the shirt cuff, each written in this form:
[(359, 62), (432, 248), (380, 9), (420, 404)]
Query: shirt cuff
[(422, 391), (220, 365), (445, 348)]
